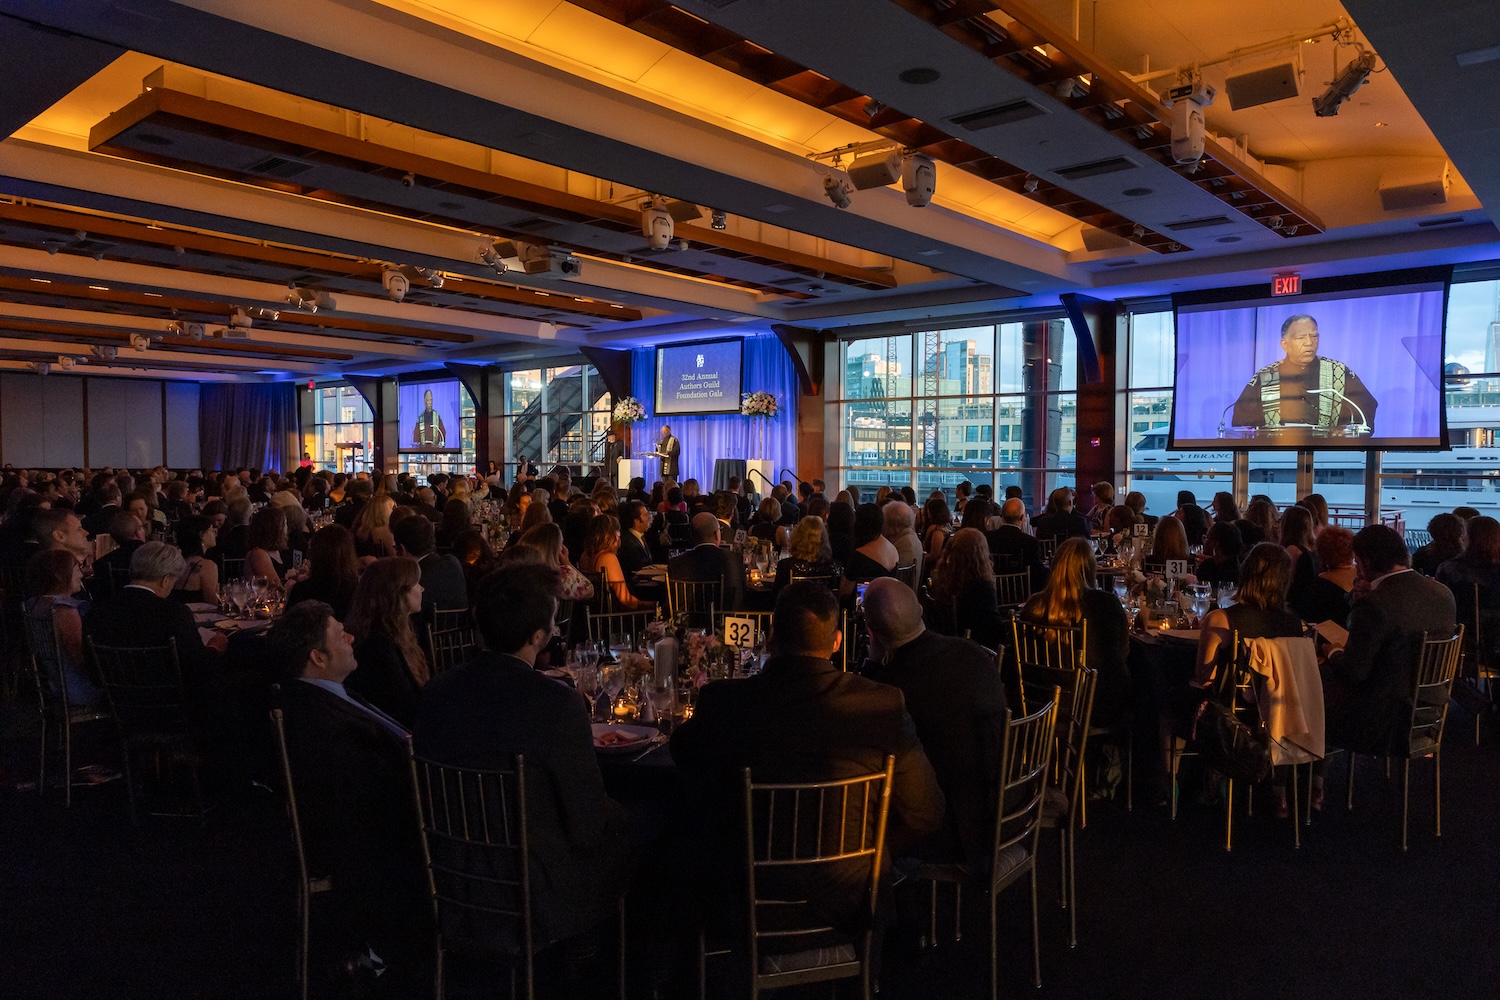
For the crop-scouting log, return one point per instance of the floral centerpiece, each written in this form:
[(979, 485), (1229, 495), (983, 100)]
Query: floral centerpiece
[(629, 411), (759, 404), (698, 654)]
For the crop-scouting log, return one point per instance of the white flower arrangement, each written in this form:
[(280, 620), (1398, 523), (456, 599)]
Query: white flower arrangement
[(759, 404), (629, 411)]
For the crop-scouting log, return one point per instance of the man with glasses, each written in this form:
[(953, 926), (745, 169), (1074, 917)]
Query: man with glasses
[(1305, 390)]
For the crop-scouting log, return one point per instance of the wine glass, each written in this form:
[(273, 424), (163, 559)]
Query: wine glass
[(613, 678), (663, 696), (1226, 594), (588, 686), (1122, 588), (1200, 592)]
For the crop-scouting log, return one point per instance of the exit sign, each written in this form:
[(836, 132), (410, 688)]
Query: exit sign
[(1286, 284)]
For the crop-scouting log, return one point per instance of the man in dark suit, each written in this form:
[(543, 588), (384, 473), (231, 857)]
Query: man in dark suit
[(1016, 550), (801, 719), (443, 583), (957, 703), (97, 522), (790, 512), (635, 552), (423, 503), (1060, 521), (497, 706), (670, 450), (706, 561), (353, 786), (1370, 680), (129, 534), (356, 495), (142, 614), (741, 502)]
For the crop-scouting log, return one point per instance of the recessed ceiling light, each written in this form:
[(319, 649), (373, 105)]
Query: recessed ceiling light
[(1228, 239), (920, 75), (100, 288), (42, 281), (1137, 192), (778, 208), (1380, 124)]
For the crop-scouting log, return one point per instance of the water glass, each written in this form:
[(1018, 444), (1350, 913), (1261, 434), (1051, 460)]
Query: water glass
[(1226, 594), (1122, 588), (588, 686)]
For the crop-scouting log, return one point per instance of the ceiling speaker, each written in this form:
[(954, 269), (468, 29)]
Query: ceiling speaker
[(1264, 86), (1101, 239), (1415, 190), (875, 170)]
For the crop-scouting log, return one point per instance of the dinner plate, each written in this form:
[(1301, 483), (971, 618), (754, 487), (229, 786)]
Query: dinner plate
[(621, 739), (200, 606), (237, 625)]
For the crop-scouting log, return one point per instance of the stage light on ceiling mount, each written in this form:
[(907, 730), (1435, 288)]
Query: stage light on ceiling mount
[(41, 367), (1032, 183), (1187, 102), (656, 224), (241, 319), (918, 179), (139, 342), (1354, 75), (309, 300), (105, 352), (66, 362), (719, 220), (490, 257), (838, 187)]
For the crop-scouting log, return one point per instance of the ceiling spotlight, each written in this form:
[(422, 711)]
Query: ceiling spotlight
[(240, 318), (1173, 247), (838, 188), (490, 257), (1138, 233), (105, 352), (918, 179), (873, 108), (192, 331), (1275, 222), (682, 244), (309, 300), (656, 225), (1326, 104), (261, 312), (66, 362), (718, 219), (176, 329), (1291, 230), (431, 275), (409, 179), (1032, 183), (139, 342), (395, 283), (41, 367)]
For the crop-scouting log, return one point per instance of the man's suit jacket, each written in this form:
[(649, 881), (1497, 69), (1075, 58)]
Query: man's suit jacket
[(97, 523), (801, 719), (136, 618), (495, 707), (708, 562), (957, 702), (1070, 524), (354, 800), (671, 448), (1020, 550), (443, 584), (633, 554), (1377, 670), (103, 583)]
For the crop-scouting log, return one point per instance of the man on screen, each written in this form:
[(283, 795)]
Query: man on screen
[(670, 450), (429, 431), (1305, 389)]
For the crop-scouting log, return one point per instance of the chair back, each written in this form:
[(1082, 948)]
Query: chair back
[(907, 574), (1047, 547), (795, 833), (444, 619), (234, 569), (1058, 646), (478, 856), (604, 598), (1073, 691), (1013, 589), (695, 598), (828, 581), (632, 624), (144, 685), (39, 633), (450, 647), (278, 724), (1026, 751), (1437, 664), (762, 621)]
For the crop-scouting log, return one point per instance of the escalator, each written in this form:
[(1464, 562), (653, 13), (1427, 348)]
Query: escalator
[(566, 407)]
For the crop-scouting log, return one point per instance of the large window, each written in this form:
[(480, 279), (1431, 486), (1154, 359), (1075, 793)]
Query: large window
[(557, 416), (990, 404), (343, 429)]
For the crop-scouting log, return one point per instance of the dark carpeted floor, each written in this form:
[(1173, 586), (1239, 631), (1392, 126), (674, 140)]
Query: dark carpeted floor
[(95, 909)]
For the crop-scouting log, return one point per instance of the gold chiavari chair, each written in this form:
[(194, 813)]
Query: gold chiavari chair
[(451, 647), (1013, 589), (308, 885), (695, 598)]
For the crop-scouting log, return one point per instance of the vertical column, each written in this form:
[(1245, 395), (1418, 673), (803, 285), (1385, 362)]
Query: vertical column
[(1096, 421), (1041, 420)]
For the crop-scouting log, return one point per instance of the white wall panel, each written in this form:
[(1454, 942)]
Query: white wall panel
[(182, 426), (109, 406), (21, 420), (143, 442), (62, 421)]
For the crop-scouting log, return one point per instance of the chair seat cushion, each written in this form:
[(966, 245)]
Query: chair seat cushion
[(810, 958), (1054, 806)]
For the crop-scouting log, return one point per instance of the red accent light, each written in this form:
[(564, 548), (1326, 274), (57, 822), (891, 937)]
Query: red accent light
[(1286, 284), (309, 385)]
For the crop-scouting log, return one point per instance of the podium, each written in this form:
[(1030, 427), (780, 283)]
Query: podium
[(629, 469)]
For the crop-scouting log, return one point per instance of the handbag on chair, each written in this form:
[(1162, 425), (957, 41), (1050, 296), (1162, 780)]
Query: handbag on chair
[(1227, 745)]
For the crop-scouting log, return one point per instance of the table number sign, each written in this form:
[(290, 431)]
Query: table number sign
[(1176, 568), (1141, 530), (739, 632)]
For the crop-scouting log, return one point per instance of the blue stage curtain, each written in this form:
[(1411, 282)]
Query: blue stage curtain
[(704, 439), (249, 426)]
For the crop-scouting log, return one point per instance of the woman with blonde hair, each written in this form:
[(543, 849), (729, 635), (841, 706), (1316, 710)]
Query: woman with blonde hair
[(372, 528), (392, 667), (548, 540), (1070, 598), (810, 555), (601, 557), (963, 579)]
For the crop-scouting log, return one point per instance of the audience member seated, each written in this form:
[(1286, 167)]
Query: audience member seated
[(957, 703), (332, 572), (767, 523), (1259, 524), (1447, 531), (873, 556), (976, 514), (1136, 501), (635, 545), (1367, 684), (442, 576), (801, 719), (1071, 598), (354, 798), (231, 534), (97, 520), (900, 531), (936, 520), (1169, 543), (129, 534), (1104, 502), (810, 555), (265, 541), (199, 581), (54, 618), (1222, 549), (486, 712), (1225, 509), (1195, 519), (1013, 548), (964, 601), (547, 540), (707, 562), (1060, 521), (1300, 543), (392, 667), (476, 557), (372, 529), (1317, 506), (1328, 597), (1480, 561), (601, 558), (841, 530)]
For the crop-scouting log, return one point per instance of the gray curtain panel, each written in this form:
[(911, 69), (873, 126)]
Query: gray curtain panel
[(249, 426)]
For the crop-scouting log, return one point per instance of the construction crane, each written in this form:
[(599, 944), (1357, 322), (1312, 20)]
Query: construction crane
[(931, 360)]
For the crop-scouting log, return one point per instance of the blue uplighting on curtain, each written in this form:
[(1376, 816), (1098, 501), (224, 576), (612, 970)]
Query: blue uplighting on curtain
[(249, 426), (704, 439)]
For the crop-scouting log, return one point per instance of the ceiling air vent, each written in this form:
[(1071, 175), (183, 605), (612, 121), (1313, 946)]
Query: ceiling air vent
[(1450, 221), (1217, 220), (1000, 114), (280, 167), (1121, 263), (1097, 168)]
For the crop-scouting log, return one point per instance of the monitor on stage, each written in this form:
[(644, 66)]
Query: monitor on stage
[(431, 416), (699, 378), (1358, 368)]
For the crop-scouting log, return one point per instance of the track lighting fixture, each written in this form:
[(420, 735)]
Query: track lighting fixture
[(719, 220), (657, 225), (1354, 75), (1032, 183), (838, 188), (139, 342)]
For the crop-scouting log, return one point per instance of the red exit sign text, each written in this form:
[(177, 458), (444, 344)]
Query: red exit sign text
[(1286, 284)]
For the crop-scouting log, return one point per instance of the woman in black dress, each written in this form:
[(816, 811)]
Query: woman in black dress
[(841, 530), (964, 601), (392, 667), (332, 573), (811, 555), (874, 555)]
